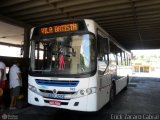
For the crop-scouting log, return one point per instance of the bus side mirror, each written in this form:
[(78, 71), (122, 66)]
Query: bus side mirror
[(73, 52)]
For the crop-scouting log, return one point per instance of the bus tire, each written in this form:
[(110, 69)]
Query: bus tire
[(112, 94), (126, 87)]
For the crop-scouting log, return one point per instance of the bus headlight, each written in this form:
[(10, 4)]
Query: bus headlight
[(89, 90), (84, 92), (32, 88)]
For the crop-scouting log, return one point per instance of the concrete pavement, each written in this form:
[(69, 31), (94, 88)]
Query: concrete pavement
[(142, 98)]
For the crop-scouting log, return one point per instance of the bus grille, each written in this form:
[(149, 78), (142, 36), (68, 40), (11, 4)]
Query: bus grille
[(58, 92), (58, 83)]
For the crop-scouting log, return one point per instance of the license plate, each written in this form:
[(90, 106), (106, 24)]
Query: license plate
[(54, 102)]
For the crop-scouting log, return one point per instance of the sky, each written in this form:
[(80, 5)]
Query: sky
[(146, 52), (9, 51)]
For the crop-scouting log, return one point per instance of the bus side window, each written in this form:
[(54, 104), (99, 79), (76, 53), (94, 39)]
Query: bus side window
[(102, 47), (112, 54), (123, 59), (118, 54)]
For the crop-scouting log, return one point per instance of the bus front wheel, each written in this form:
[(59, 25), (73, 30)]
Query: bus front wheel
[(112, 94), (126, 87)]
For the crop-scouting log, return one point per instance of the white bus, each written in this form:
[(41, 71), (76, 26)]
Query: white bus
[(75, 65)]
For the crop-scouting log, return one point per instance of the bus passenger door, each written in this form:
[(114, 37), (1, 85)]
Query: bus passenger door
[(103, 73)]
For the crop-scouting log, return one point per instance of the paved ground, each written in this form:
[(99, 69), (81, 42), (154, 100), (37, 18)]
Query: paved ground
[(141, 100)]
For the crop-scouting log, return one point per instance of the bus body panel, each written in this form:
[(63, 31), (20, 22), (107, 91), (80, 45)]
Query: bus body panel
[(120, 84), (104, 89), (101, 82), (81, 106), (91, 26), (85, 103)]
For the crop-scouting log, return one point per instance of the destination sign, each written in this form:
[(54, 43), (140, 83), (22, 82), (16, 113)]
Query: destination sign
[(59, 28)]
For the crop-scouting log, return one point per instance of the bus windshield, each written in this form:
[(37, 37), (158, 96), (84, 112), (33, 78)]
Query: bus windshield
[(70, 54)]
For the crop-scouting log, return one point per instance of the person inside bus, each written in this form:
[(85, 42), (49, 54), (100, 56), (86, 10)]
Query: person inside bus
[(15, 80), (3, 80), (61, 59)]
